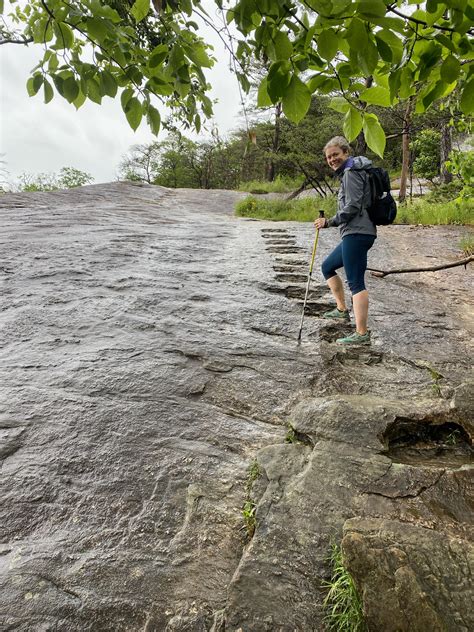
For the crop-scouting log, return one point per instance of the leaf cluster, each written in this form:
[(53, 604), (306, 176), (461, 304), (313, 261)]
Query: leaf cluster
[(95, 49), (150, 54), (327, 46)]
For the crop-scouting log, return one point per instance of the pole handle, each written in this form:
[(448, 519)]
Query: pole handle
[(321, 213)]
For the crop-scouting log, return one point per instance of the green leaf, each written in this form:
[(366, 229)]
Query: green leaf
[(34, 84), (64, 36), (316, 81), (467, 97), (198, 55), (296, 100), (356, 34), (385, 51), (158, 55), (71, 89), (80, 99), (339, 104), (450, 69), (53, 62), (278, 80), (97, 29), (154, 120), (283, 46), (394, 82), (93, 90), (393, 41), (48, 91), (368, 58), (176, 58), (374, 134), (133, 112), (108, 83), (352, 124), (372, 8), (376, 96), (263, 99), (59, 83), (407, 83), (140, 10), (1, 7), (435, 93), (328, 44), (446, 42)]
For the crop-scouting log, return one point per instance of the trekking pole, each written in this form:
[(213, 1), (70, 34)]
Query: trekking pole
[(316, 238)]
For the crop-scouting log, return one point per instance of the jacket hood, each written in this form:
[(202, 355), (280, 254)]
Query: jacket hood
[(361, 162), (358, 163)]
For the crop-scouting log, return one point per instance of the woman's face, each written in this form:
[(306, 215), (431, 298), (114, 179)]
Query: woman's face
[(336, 156)]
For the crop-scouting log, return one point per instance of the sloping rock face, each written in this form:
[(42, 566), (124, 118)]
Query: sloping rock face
[(152, 387)]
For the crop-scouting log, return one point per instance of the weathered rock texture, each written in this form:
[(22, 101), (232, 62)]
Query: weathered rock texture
[(149, 357)]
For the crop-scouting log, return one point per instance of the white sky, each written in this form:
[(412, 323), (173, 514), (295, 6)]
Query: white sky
[(35, 137)]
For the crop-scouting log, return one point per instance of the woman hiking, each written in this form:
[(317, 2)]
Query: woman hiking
[(358, 234)]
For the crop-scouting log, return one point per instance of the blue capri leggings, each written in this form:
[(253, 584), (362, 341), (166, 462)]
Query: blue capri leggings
[(352, 254)]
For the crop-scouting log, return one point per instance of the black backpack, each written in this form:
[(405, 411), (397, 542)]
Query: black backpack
[(383, 208)]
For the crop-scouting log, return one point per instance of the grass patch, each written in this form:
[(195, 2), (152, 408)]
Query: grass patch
[(422, 211), (249, 508), (279, 185), (305, 210), (342, 603), (417, 211), (467, 245)]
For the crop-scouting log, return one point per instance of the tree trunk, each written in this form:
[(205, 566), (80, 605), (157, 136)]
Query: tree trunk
[(405, 152), (446, 146), (271, 171)]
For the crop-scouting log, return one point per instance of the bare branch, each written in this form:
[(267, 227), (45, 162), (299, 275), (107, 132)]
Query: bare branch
[(454, 264), (25, 41)]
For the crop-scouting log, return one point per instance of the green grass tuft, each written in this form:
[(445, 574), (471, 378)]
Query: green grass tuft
[(422, 211), (304, 210), (342, 603), (250, 507), (467, 245)]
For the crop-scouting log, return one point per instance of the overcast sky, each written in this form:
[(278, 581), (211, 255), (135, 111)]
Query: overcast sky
[(35, 137)]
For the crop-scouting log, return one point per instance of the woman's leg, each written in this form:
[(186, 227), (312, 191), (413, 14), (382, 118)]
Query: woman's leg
[(360, 303), (354, 254), (337, 290), (332, 263)]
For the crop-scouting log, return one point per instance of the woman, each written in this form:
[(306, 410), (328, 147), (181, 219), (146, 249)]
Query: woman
[(358, 235)]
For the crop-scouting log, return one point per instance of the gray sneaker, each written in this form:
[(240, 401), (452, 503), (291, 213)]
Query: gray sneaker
[(355, 339), (336, 313)]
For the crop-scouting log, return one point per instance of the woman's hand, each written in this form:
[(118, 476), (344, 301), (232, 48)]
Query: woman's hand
[(321, 222)]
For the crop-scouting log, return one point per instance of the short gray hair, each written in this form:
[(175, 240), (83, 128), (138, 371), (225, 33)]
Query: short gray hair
[(338, 141)]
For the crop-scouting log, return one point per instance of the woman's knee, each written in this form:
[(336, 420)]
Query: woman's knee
[(356, 285), (327, 269)]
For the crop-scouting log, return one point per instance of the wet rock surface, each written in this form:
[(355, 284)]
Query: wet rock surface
[(149, 359)]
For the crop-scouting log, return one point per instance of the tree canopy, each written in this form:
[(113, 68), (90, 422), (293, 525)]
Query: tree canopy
[(149, 53)]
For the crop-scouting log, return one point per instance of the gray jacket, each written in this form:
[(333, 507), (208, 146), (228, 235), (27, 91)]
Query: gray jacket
[(353, 199)]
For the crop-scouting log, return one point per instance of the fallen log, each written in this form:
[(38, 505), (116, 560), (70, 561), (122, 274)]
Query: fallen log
[(383, 273)]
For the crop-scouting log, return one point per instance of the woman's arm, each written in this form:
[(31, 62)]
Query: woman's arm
[(353, 183)]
